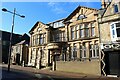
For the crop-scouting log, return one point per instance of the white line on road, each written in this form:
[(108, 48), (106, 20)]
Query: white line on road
[(40, 76)]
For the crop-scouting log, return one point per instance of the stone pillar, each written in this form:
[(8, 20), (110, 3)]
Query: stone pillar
[(87, 50), (48, 36), (54, 63), (48, 57), (29, 56), (78, 50)]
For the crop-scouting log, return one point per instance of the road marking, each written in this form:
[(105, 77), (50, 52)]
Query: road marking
[(43, 76)]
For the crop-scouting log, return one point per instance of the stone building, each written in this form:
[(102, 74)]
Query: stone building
[(46, 40), (109, 26), (20, 51), (82, 42), (5, 41), (62, 45), (38, 45), (87, 41)]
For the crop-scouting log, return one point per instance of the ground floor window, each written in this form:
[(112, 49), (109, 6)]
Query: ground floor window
[(81, 51), (84, 48), (94, 51)]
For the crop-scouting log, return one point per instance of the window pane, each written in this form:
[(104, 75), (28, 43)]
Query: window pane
[(75, 52), (72, 33), (118, 29), (80, 26), (93, 31), (92, 24), (91, 50), (96, 50), (115, 8), (80, 51), (118, 32), (113, 30), (117, 25), (84, 51), (87, 32), (60, 24), (86, 25), (81, 33), (41, 39), (57, 37)]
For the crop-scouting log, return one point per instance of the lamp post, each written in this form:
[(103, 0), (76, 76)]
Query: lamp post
[(10, 46)]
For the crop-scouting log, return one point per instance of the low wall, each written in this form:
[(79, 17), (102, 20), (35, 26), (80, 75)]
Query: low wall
[(86, 67)]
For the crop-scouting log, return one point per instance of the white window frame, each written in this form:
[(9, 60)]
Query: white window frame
[(92, 27), (94, 49), (113, 38)]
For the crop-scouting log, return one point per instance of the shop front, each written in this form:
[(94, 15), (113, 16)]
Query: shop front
[(111, 60)]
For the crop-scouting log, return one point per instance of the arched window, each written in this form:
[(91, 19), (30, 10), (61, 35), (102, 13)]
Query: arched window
[(81, 16)]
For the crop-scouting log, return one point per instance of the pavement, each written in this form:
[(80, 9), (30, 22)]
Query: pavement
[(58, 75)]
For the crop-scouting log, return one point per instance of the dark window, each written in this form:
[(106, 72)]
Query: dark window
[(86, 30), (41, 39), (44, 38), (80, 51), (84, 51), (115, 8), (72, 33), (118, 29), (74, 52), (91, 48)]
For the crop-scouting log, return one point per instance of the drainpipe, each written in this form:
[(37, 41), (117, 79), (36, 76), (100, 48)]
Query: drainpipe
[(100, 50)]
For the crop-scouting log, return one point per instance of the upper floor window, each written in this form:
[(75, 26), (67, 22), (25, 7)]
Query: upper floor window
[(72, 33), (92, 29), (59, 36), (58, 24), (115, 30), (77, 31), (63, 36), (41, 39), (115, 8), (39, 29), (81, 31), (55, 24), (44, 38), (86, 30), (81, 16), (118, 29)]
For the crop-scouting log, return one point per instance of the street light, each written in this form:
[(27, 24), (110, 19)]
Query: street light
[(10, 46)]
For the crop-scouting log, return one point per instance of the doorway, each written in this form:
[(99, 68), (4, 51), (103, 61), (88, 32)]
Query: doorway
[(112, 61), (17, 58)]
